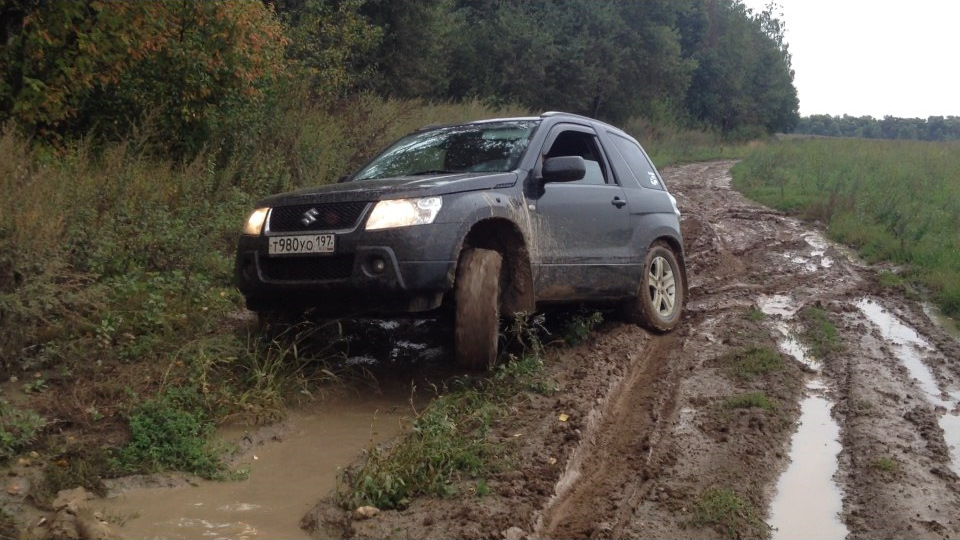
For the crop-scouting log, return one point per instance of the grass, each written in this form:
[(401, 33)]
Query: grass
[(18, 429), (729, 513), (578, 327), (893, 201), (751, 400), (819, 334), (885, 464), (171, 432), (751, 362), (446, 447), (667, 144)]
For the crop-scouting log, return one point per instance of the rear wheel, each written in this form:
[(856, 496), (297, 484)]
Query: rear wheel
[(659, 300), (477, 313)]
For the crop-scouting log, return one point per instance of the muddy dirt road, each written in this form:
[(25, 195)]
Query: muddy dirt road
[(658, 433), (685, 435)]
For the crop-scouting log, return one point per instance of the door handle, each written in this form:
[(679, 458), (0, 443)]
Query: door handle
[(618, 202)]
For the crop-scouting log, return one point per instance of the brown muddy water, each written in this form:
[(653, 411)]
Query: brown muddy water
[(808, 502), (288, 474)]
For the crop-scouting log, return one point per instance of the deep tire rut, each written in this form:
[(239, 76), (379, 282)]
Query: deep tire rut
[(616, 459)]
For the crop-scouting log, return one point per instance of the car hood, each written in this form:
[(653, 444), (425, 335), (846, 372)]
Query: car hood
[(394, 188)]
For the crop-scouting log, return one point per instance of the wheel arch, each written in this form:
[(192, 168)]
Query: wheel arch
[(505, 237)]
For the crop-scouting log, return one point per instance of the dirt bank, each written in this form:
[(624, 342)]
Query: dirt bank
[(654, 433)]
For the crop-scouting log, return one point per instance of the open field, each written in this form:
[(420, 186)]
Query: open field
[(894, 201)]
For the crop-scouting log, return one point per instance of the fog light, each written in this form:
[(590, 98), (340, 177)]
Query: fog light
[(377, 265)]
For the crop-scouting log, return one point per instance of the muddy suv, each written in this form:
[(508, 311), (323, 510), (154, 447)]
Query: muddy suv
[(475, 220)]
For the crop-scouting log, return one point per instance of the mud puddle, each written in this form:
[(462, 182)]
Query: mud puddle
[(808, 503), (288, 474), (909, 348)]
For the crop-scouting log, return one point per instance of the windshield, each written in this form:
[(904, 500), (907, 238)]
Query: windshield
[(484, 147)]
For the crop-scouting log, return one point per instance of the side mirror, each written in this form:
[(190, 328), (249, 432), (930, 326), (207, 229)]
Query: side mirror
[(343, 178), (564, 169)]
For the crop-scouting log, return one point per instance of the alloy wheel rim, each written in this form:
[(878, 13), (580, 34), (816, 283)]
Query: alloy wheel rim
[(663, 287)]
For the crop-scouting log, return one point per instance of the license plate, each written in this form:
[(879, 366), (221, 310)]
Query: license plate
[(307, 243)]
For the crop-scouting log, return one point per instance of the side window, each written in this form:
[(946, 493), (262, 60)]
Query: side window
[(639, 165), (576, 143)]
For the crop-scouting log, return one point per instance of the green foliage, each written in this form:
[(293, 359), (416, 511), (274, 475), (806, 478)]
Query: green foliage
[(106, 66), (885, 464), (577, 328), (743, 84), (171, 432), (18, 428), (752, 362), (445, 442), (819, 333), (257, 376), (332, 44), (934, 128), (748, 401), (755, 315), (446, 445), (894, 201), (729, 513)]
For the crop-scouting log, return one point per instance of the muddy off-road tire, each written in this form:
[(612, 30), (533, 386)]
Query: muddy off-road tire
[(477, 316), (659, 301)]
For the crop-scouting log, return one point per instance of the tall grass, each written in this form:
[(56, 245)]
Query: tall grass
[(896, 201), (667, 144)]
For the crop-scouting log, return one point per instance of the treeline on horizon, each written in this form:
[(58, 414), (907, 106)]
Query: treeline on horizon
[(214, 74), (934, 128)]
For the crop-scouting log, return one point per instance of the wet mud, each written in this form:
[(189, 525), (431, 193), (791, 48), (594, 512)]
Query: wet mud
[(652, 421), (650, 434)]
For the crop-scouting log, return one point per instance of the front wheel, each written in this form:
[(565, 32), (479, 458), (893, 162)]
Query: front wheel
[(659, 300), (477, 314)]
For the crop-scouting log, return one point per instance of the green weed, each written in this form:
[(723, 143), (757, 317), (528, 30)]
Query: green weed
[(18, 429), (728, 513), (885, 464), (446, 442), (171, 432), (747, 401), (446, 445), (752, 362), (819, 333), (578, 327), (754, 315)]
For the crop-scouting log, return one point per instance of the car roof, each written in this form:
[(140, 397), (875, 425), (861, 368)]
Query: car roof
[(553, 115)]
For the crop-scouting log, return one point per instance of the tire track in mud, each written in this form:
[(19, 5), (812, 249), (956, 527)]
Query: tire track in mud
[(614, 464), (649, 431)]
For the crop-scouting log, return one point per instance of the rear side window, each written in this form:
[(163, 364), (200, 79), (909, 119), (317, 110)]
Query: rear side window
[(641, 168)]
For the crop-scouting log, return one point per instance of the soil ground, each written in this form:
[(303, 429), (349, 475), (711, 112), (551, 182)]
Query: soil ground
[(649, 432)]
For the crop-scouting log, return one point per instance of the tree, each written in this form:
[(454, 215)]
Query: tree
[(102, 66)]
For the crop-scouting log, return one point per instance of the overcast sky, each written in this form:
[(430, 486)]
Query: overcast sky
[(877, 58)]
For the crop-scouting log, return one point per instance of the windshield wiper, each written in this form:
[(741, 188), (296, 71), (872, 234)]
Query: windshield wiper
[(433, 171)]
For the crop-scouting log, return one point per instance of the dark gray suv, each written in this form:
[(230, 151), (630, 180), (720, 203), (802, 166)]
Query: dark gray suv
[(475, 220)]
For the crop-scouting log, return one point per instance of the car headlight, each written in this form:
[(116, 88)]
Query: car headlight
[(404, 212), (254, 223), (673, 201)]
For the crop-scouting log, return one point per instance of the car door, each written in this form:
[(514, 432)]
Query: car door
[(581, 228)]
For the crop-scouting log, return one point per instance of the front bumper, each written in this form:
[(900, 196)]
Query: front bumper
[(401, 270)]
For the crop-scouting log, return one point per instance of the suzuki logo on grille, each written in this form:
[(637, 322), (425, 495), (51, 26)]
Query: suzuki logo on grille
[(309, 217)]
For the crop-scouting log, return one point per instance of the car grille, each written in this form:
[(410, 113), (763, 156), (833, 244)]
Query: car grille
[(307, 268), (325, 216)]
